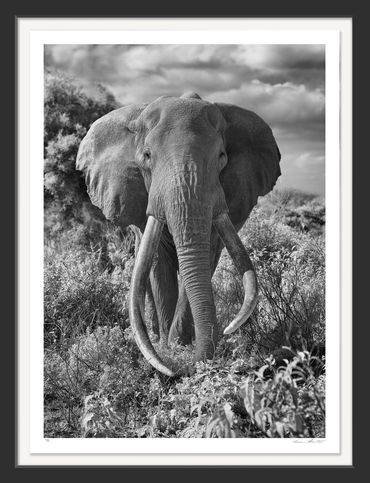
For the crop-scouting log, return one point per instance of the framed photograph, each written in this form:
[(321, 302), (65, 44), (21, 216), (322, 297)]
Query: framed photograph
[(184, 241)]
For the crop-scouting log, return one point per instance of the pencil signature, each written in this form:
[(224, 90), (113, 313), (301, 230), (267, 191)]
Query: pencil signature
[(311, 440)]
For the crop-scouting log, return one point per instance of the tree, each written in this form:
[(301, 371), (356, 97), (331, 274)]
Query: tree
[(68, 113)]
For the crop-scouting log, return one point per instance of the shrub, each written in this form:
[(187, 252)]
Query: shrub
[(102, 377), (302, 211), (291, 271), (99, 419), (309, 217), (68, 114), (290, 403), (103, 364), (101, 387), (82, 291)]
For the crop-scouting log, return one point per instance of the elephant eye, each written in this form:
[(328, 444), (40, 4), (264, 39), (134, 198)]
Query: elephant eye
[(146, 157), (223, 160)]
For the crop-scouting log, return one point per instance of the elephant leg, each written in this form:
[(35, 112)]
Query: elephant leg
[(182, 328), (163, 278)]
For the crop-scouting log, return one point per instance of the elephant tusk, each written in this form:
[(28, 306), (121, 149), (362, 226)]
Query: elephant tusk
[(243, 263), (143, 263)]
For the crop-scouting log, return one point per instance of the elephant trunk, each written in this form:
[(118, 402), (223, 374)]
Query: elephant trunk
[(194, 267), (189, 212), (143, 262)]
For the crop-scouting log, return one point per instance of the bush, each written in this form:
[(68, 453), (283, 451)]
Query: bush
[(290, 403), (74, 373), (101, 387), (68, 114), (291, 274), (83, 291), (302, 211), (102, 375), (309, 217)]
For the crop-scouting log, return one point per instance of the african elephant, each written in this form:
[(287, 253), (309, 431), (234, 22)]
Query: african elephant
[(186, 174)]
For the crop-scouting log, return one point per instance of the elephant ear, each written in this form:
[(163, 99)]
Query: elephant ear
[(106, 157), (253, 161)]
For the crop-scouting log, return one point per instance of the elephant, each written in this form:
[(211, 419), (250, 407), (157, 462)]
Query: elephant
[(185, 174)]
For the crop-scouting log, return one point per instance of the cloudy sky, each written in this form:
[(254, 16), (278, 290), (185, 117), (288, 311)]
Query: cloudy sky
[(284, 84)]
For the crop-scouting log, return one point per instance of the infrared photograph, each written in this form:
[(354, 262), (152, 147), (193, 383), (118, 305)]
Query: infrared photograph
[(184, 241)]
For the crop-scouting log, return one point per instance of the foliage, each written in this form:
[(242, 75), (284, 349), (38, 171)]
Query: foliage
[(291, 274), (102, 387), (73, 374), (97, 384), (84, 288), (302, 211), (68, 114), (310, 216), (290, 403)]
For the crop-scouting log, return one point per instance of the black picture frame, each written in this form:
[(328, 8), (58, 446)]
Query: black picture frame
[(10, 295)]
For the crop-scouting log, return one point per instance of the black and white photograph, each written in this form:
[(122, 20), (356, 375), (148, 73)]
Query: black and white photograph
[(184, 241)]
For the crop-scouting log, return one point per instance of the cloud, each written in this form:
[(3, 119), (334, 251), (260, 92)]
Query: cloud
[(124, 66), (146, 58), (306, 173), (309, 159), (284, 84), (278, 57), (278, 103)]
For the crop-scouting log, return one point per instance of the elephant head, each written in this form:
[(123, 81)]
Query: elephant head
[(191, 166)]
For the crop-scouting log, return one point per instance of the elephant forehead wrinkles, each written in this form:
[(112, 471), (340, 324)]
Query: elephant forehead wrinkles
[(180, 159), (173, 111), (185, 186), (185, 140)]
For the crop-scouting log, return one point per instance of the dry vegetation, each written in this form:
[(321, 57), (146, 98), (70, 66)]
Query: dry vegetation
[(267, 379)]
